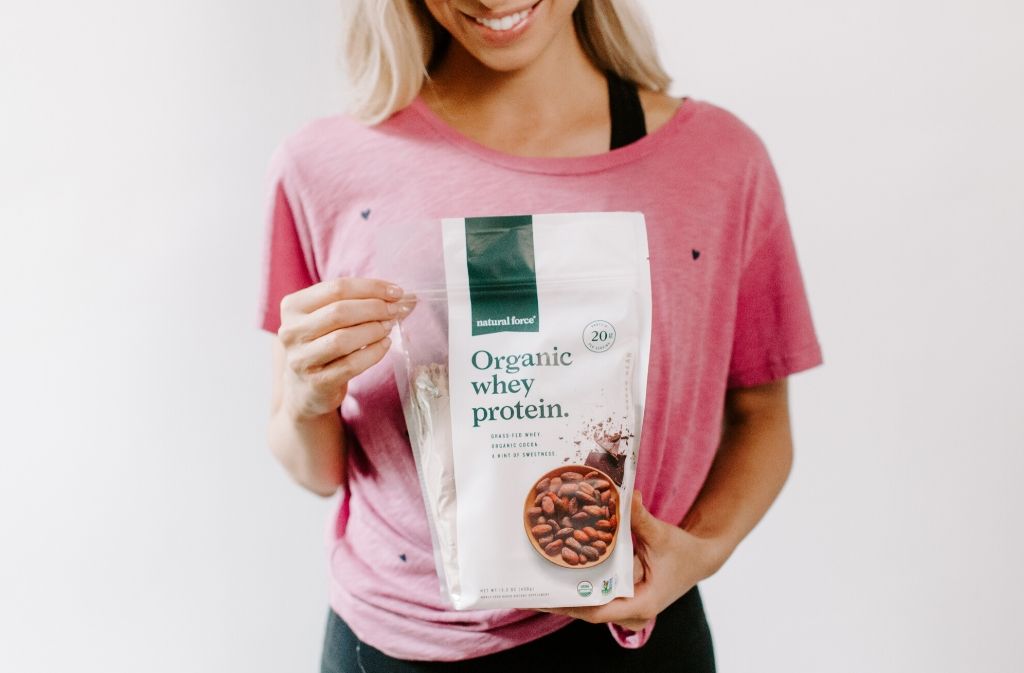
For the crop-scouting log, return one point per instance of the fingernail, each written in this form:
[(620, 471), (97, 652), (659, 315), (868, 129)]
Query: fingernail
[(394, 291), (393, 309), (404, 308), (388, 324)]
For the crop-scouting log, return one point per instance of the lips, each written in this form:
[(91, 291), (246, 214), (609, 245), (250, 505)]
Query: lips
[(505, 28), (501, 15)]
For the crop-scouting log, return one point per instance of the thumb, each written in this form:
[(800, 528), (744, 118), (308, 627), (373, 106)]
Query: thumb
[(642, 522)]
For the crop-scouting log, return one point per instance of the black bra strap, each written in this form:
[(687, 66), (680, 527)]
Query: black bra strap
[(627, 113)]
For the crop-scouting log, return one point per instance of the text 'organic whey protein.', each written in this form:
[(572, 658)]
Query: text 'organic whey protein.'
[(526, 431)]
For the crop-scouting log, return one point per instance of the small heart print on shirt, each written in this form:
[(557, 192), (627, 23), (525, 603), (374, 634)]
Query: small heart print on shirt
[(365, 214), (695, 253)]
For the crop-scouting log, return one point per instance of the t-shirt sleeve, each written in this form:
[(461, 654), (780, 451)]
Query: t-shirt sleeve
[(288, 262), (774, 334)]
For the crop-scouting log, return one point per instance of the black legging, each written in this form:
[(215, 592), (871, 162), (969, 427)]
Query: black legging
[(680, 643)]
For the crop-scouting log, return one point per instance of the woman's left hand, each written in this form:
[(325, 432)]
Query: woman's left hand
[(668, 562)]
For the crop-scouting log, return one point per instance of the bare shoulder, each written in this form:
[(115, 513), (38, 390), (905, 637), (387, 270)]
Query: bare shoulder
[(658, 107)]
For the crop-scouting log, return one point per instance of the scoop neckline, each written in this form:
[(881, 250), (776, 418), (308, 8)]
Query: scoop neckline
[(559, 165)]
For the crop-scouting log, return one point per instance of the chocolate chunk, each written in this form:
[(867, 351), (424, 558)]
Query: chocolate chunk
[(607, 463)]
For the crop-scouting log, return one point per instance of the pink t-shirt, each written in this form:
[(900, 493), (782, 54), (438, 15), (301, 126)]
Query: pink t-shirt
[(729, 309)]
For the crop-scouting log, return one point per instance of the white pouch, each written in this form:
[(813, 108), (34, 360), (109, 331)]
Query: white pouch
[(522, 372)]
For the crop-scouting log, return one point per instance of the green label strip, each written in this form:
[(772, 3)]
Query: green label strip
[(502, 274)]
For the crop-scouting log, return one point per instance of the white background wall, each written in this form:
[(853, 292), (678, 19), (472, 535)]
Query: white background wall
[(143, 523)]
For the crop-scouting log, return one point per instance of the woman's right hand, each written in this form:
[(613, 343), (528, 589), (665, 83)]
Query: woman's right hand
[(333, 331)]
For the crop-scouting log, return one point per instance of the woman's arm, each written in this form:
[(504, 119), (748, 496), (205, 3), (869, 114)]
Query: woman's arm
[(752, 463), (311, 448), (750, 467), (330, 332)]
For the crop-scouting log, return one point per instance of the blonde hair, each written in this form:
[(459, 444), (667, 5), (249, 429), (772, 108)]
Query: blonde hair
[(391, 45)]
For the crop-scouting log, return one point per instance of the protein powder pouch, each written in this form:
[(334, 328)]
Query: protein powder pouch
[(522, 371)]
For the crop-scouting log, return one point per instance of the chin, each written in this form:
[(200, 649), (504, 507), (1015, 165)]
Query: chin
[(515, 46), (506, 61)]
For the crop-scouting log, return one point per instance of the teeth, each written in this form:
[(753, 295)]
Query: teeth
[(505, 22)]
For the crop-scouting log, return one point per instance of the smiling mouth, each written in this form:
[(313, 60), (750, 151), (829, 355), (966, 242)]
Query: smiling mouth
[(508, 21)]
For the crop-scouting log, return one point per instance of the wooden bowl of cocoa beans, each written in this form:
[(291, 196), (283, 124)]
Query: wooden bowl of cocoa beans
[(571, 516)]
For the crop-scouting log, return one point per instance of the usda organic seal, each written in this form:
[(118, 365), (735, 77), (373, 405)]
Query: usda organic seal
[(584, 588)]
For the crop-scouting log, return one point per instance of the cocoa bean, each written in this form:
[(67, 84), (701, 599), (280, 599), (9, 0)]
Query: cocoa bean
[(579, 517), (553, 548), (586, 498), (570, 557), (581, 536), (565, 532), (547, 539), (600, 545), (604, 524), (590, 532), (567, 489), (573, 543), (585, 487), (566, 522), (594, 510), (590, 553), (548, 506), (571, 476), (542, 485), (534, 511), (540, 530)]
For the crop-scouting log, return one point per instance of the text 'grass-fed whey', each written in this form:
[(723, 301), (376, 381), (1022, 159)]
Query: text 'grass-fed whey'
[(525, 428)]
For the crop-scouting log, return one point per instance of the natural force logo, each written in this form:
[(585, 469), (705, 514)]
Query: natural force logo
[(507, 321), (502, 274)]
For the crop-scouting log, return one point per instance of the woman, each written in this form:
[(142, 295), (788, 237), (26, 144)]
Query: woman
[(473, 107)]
